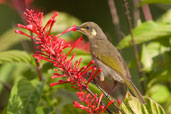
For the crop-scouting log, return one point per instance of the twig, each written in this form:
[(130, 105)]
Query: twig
[(133, 43), (5, 85), (136, 12), (89, 91), (38, 68), (146, 12), (108, 97), (115, 19)]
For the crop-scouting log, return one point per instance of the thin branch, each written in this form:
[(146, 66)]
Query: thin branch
[(108, 97), (133, 42), (38, 68), (136, 12), (115, 19), (89, 91), (146, 12)]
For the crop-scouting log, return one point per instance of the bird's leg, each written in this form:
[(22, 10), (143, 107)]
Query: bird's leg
[(105, 93), (113, 87)]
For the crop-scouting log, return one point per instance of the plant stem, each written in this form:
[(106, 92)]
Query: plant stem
[(109, 98), (89, 91), (115, 19), (133, 43), (38, 68)]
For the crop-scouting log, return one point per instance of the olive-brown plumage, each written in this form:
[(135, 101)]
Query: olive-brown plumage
[(107, 57)]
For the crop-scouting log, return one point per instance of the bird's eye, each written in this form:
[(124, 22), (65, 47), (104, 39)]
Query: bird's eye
[(87, 27)]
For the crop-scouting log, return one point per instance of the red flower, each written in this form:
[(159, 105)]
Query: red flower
[(50, 48), (93, 103)]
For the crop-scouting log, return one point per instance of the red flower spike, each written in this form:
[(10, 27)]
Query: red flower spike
[(93, 104), (50, 48)]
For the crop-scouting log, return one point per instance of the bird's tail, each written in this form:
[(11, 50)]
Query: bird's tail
[(135, 91)]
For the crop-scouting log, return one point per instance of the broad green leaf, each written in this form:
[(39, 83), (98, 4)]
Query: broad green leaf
[(147, 31), (151, 107), (150, 51), (156, 91), (15, 56), (156, 2), (25, 97)]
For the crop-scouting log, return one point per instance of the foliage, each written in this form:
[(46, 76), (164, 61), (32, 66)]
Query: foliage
[(25, 97), (136, 107)]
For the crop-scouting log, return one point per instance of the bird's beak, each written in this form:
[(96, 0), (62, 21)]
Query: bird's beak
[(80, 29), (77, 28)]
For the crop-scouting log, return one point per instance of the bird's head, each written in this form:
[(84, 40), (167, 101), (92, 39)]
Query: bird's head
[(91, 30)]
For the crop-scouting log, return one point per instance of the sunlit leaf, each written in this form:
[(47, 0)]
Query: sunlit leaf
[(150, 51), (156, 91), (151, 107), (147, 31)]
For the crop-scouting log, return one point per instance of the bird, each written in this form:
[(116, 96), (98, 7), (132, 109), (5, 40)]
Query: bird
[(107, 57)]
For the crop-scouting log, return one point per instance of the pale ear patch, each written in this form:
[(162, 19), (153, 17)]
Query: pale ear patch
[(93, 32)]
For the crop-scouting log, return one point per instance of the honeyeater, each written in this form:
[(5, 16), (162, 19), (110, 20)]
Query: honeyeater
[(107, 57)]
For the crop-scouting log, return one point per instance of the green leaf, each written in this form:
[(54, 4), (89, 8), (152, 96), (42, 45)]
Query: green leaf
[(156, 91), (150, 51), (156, 2), (25, 97), (14, 56), (151, 107), (145, 32)]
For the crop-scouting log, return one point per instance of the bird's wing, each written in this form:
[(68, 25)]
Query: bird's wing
[(112, 59)]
